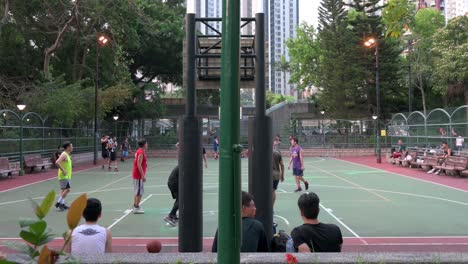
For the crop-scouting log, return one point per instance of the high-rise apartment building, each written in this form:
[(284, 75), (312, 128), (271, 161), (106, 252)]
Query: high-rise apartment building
[(282, 19)]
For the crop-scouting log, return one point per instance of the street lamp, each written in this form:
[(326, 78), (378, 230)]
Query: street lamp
[(115, 117), (373, 43), (101, 41), (411, 42), (21, 106), (323, 128)]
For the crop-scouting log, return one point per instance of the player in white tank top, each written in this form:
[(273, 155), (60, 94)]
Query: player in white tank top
[(90, 238)]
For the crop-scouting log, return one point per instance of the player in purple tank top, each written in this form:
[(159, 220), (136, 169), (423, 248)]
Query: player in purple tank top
[(297, 160)]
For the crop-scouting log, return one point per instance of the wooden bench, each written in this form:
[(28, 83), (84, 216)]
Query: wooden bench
[(453, 165), (7, 168), (429, 162), (464, 173), (35, 161)]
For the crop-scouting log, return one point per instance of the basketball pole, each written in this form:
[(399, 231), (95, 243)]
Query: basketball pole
[(260, 172), (190, 157), (229, 230)]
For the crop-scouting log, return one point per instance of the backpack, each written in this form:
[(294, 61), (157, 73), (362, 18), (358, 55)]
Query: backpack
[(278, 243)]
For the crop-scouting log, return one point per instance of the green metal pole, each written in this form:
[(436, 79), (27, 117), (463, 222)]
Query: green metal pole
[(229, 231), (21, 172)]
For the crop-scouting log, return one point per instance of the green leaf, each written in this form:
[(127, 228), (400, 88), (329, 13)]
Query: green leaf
[(45, 238), (38, 228), (47, 202), (29, 237), (25, 222), (37, 210)]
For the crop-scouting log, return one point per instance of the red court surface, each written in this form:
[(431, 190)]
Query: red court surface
[(450, 181), (351, 244), (35, 177)]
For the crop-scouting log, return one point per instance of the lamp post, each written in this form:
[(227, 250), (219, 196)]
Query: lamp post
[(323, 127), (102, 40), (376, 131), (373, 43), (410, 42), (115, 117), (21, 107)]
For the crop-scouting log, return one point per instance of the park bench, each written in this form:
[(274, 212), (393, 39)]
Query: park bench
[(35, 161), (429, 162), (464, 173), (453, 165), (7, 169)]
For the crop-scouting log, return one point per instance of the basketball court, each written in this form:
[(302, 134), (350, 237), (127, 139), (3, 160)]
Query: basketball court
[(375, 209)]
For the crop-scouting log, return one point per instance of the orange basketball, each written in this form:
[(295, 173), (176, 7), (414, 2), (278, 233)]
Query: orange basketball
[(154, 246)]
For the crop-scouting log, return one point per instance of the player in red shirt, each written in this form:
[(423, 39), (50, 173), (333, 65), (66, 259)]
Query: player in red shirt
[(139, 175)]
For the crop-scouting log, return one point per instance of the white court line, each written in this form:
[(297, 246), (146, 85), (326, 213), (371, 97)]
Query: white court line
[(281, 190), (32, 183), (355, 184), (283, 218), (343, 224), (127, 212), (384, 191), (406, 176)]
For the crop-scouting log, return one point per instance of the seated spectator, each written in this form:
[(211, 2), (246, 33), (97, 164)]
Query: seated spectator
[(90, 238), (314, 236), (399, 150), (253, 234), (442, 158)]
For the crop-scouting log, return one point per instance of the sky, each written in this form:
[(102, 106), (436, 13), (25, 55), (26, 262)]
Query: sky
[(308, 11)]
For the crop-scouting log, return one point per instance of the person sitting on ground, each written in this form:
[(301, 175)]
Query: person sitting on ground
[(253, 234), (399, 150), (90, 238), (314, 236), (442, 158)]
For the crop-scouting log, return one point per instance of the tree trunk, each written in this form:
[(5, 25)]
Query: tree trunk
[(6, 10), (50, 50)]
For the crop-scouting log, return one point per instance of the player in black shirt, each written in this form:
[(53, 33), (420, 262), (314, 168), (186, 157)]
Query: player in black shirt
[(314, 236), (253, 234)]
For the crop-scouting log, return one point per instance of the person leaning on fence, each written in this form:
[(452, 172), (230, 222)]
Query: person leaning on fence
[(90, 238), (314, 236), (442, 158)]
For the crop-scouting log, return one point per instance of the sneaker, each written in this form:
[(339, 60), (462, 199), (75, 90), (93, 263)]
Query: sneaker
[(298, 190), (437, 172), (64, 207), (175, 218), (306, 183), (138, 210), (169, 220), (57, 205), (431, 171)]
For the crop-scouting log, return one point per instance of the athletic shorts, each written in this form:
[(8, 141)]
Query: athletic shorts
[(138, 187), (298, 172), (124, 153), (275, 184), (113, 156), (64, 184), (105, 154)]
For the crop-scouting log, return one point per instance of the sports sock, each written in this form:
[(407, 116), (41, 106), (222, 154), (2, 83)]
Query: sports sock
[(62, 200)]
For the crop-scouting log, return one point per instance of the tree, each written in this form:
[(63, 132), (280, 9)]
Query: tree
[(450, 53), (304, 53), (283, 66), (426, 22), (398, 17)]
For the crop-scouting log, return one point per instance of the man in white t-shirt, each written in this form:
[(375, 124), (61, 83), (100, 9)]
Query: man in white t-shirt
[(90, 238)]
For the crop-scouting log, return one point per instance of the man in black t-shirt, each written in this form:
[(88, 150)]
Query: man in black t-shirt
[(253, 234), (173, 184), (314, 236)]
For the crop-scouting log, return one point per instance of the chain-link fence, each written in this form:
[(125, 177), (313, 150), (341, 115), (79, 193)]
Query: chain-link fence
[(430, 129)]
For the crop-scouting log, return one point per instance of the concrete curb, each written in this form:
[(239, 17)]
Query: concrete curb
[(270, 258)]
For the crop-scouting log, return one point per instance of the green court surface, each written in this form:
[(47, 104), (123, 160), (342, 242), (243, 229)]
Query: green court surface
[(362, 201)]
